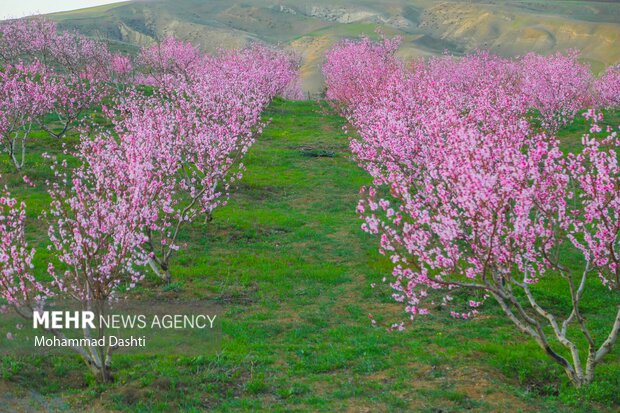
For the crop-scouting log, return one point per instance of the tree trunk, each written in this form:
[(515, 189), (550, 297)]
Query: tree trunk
[(12, 155), (102, 373), (160, 269)]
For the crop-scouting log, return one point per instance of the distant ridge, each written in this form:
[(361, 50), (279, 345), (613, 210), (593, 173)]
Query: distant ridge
[(428, 27)]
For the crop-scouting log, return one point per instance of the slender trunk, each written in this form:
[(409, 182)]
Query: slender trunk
[(12, 144), (160, 269), (531, 326), (103, 372), (97, 359), (579, 373)]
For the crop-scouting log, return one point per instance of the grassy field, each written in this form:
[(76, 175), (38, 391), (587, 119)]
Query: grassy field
[(287, 261)]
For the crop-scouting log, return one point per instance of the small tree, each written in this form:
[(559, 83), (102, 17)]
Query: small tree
[(97, 219), (191, 152), (558, 87), (357, 70), (97, 230), (26, 96)]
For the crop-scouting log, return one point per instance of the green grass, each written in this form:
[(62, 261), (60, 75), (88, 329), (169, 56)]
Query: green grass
[(287, 261)]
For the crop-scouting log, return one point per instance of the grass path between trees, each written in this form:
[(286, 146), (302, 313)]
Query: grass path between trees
[(287, 261)]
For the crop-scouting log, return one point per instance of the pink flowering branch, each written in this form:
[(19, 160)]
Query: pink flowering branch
[(17, 283), (607, 88)]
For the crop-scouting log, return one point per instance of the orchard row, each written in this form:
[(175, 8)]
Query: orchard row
[(473, 198), (177, 124)]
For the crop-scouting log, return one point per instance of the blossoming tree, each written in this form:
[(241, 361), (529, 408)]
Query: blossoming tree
[(26, 96), (96, 227)]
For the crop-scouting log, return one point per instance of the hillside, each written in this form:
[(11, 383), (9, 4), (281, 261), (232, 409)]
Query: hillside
[(427, 27)]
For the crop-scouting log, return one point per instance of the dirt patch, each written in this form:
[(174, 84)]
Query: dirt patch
[(317, 153), (478, 385), (14, 399), (257, 192)]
